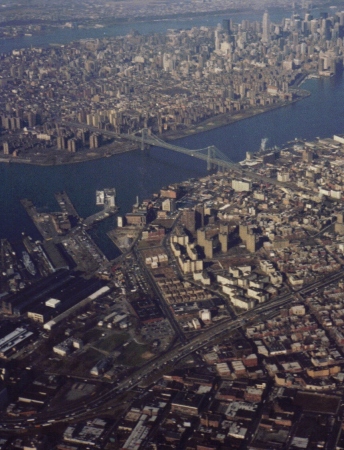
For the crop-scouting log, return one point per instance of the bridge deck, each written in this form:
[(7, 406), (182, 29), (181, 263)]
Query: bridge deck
[(212, 155)]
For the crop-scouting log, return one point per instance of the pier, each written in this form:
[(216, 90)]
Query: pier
[(66, 204), (100, 215)]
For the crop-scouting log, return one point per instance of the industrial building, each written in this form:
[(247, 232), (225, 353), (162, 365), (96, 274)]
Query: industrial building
[(13, 341), (50, 296)]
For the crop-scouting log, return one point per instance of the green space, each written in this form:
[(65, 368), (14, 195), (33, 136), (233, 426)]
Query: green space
[(111, 342), (91, 335), (134, 355), (80, 365), (88, 360)]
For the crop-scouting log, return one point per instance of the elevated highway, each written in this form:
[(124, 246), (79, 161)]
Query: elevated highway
[(92, 408)]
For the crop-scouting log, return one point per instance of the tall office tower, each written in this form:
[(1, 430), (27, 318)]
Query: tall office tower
[(266, 28), (295, 37), (314, 25), (217, 40), (325, 29), (341, 18), (226, 26)]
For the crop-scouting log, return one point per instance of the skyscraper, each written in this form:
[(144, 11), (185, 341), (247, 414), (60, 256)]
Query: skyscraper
[(217, 39), (226, 26), (266, 28)]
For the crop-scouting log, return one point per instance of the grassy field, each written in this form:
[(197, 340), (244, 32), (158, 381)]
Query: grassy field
[(82, 365), (110, 343), (135, 354), (91, 335)]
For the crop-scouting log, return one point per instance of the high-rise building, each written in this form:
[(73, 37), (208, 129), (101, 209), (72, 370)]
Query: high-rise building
[(223, 238), (189, 219), (307, 155), (32, 119), (6, 148), (325, 29), (94, 140), (71, 145), (199, 216), (226, 26), (266, 28), (251, 244), (61, 142), (341, 17), (217, 39)]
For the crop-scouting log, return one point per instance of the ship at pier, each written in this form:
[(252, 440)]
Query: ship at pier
[(29, 265)]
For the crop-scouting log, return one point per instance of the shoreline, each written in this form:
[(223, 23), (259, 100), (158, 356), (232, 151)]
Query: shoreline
[(228, 119), (110, 22), (218, 121)]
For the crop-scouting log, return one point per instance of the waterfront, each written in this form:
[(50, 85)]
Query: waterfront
[(65, 35), (141, 174)]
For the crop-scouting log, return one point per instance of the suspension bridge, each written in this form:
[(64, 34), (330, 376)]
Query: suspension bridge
[(214, 157)]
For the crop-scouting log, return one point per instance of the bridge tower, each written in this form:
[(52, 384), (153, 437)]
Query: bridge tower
[(211, 156), (144, 136)]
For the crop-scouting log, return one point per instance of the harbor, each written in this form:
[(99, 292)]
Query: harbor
[(66, 242), (106, 199), (145, 172)]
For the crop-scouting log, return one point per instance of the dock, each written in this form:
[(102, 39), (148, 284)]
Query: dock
[(36, 217), (66, 204), (55, 225), (100, 215)]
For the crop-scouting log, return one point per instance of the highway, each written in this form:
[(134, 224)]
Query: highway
[(92, 408), (102, 403)]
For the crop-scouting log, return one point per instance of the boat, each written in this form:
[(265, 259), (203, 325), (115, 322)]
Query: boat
[(29, 265)]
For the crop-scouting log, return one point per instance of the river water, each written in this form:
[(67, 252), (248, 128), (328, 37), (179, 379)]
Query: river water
[(138, 173), (66, 35)]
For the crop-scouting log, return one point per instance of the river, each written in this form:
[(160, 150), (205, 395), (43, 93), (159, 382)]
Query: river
[(138, 173), (66, 35)]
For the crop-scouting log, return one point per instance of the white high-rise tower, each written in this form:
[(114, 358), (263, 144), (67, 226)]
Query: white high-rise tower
[(266, 28), (217, 39)]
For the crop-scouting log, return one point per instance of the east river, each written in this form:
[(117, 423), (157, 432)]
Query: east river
[(138, 173)]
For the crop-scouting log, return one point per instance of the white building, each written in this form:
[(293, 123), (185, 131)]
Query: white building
[(241, 185)]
